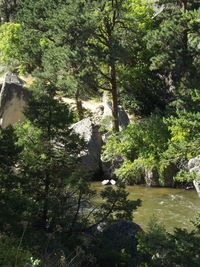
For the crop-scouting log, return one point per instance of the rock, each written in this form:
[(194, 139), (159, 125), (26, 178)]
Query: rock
[(123, 118), (194, 162), (107, 241), (195, 169), (168, 174), (113, 182), (91, 157), (194, 166), (13, 99), (13, 78), (107, 114), (196, 184), (189, 187), (121, 234), (151, 177), (97, 115), (108, 182), (105, 182)]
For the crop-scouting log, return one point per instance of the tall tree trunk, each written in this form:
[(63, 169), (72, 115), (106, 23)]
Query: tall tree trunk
[(113, 86), (79, 106), (185, 53), (185, 3), (46, 202)]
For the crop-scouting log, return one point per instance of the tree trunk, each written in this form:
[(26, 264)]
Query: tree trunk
[(185, 2), (113, 86), (79, 106)]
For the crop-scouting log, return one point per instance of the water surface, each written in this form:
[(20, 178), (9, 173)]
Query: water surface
[(171, 207)]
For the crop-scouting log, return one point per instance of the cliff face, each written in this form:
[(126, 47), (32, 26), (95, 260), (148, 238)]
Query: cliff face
[(13, 98)]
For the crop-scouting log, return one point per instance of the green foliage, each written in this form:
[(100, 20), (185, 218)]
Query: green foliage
[(42, 186), (157, 247), (19, 48), (196, 222), (184, 141), (10, 43), (129, 169), (174, 53), (116, 200), (183, 176), (105, 124), (8, 9), (11, 254), (141, 91), (79, 50), (9, 152), (161, 142), (139, 146)]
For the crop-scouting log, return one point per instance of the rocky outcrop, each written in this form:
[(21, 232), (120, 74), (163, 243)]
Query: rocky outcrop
[(13, 98), (151, 177), (91, 156), (194, 166), (89, 129), (122, 235), (168, 174), (107, 114), (111, 238)]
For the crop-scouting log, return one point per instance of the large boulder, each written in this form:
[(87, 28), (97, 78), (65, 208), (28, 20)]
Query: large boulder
[(107, 241), (91, 156), (107, 114), (13, 98), (169, 173), (194, 166), (193, 163), (91, 131), (120, 235), (151, 177)]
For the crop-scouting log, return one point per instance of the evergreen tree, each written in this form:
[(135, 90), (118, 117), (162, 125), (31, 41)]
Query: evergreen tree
[(63, 29), (92, 51), (8, 9), (115, 45), (174, 55), (44, 193)]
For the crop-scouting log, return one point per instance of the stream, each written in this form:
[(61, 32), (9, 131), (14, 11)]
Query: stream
[(171, 207)]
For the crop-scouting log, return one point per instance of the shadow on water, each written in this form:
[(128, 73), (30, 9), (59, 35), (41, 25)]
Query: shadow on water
[(171, 207)]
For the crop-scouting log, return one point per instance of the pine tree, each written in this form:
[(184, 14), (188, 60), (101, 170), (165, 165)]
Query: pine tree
[(174, 55), (45, 194), (8, 9)]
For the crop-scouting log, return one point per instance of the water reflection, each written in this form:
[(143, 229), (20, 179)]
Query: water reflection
[(172, 207)]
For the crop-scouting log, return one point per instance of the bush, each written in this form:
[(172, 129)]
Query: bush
[(158, 248), (139, 146), (11, 254)]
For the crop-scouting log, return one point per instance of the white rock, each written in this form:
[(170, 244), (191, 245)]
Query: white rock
[(105, 182)]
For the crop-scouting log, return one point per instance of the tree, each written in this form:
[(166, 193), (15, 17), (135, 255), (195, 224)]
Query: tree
[(173, 58), (157, 247), (113, 46), (21, 51), (96, 47), (138, 147), (62, 35), (8, 9), (44, 194)]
